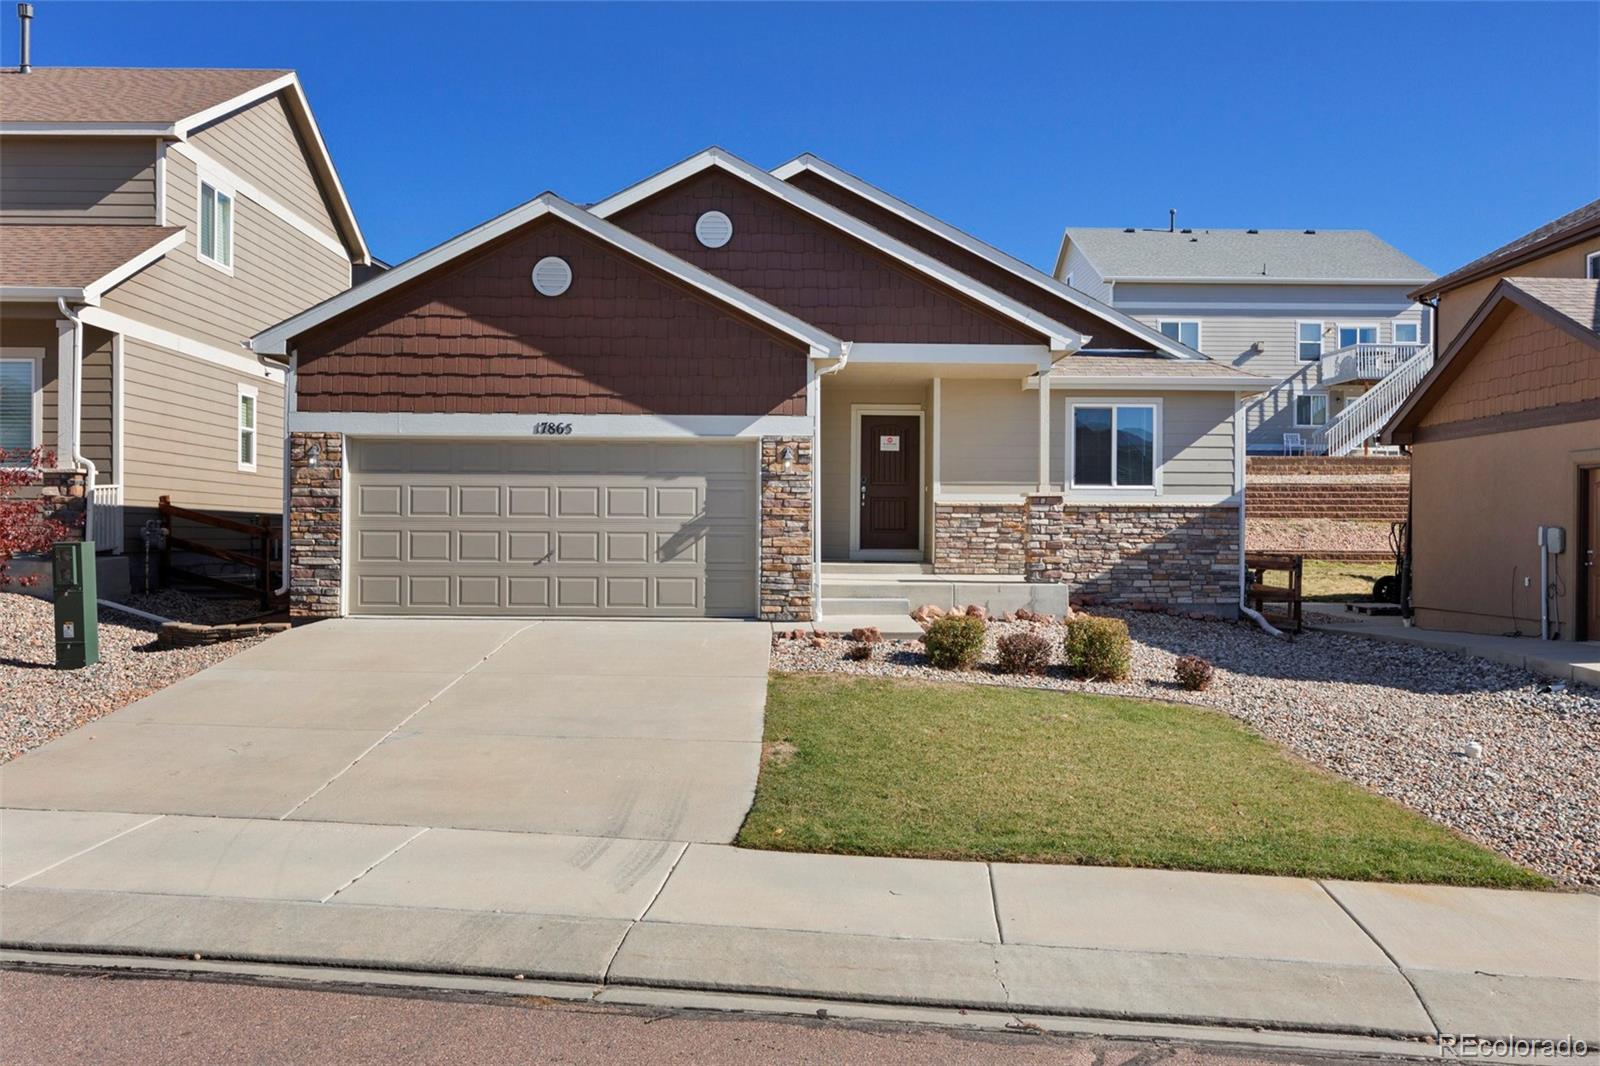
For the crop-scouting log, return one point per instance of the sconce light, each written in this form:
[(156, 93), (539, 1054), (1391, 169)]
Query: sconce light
[(787, 455), (314, 455)]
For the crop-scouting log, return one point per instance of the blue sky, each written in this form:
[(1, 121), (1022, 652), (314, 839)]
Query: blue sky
[(1011, 121)]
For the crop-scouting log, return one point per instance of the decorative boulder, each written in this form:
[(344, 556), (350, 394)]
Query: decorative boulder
[(866, 635), (975, 611), (927, 613)]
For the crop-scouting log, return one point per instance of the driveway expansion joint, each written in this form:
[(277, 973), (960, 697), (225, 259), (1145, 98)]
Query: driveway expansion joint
[(391, 853), (1401, 970)]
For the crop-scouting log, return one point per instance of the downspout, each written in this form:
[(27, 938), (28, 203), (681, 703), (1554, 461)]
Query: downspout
[(287, 366), (816, 485), (78, 459), (1238, 482)]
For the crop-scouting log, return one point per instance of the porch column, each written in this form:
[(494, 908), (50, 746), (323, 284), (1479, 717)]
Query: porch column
[(1044, 431), (66, 393)]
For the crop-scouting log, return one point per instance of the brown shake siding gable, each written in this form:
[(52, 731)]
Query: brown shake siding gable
[(811, 270), (475, 337), (1103, 334)]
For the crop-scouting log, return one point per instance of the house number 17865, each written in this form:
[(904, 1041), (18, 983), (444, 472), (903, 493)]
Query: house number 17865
[(552, 429)]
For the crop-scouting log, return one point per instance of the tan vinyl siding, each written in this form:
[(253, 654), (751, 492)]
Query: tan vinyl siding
[(837, 474), (65, 180), (181, 431), (1085, 278), (260, 143), (95, 432), (990, 438), (277, 272), (1456, 306)]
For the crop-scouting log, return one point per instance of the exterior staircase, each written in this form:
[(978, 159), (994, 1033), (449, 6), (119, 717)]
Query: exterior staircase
[(1364, 416), (857, 595)]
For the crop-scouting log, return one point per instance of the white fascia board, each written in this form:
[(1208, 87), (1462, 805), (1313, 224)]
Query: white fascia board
[(1061, 337), (322, 160), (820, 345), (239, 361), (36, 293), (1257, 279), (97, 288), (208, 164), (1029, 355), (517, 426), (1185, 384), (85, 129), (983, 250)]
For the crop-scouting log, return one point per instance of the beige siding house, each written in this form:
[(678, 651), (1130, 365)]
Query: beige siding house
[(151, 221)]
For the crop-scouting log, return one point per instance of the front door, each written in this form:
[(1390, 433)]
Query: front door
[(1589, 557), (891, 483)]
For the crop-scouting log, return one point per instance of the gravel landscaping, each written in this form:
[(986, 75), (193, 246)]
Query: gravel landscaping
[(39, 703), (1397, 718)]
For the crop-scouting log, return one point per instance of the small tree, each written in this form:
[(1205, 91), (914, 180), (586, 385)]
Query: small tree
[(25, 529)]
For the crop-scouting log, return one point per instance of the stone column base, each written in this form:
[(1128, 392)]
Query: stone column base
[(787, 538), (316, 525)]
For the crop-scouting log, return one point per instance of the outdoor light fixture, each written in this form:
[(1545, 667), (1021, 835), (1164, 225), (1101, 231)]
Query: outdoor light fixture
[(787, 455), (314, 455)]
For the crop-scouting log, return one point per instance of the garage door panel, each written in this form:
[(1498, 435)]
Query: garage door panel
[(554, 527)]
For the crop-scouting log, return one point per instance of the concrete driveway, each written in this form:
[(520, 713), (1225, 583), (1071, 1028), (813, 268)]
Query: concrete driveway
[(642, 730)]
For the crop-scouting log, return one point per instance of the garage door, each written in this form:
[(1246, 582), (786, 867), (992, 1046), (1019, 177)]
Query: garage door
[(531, 528)]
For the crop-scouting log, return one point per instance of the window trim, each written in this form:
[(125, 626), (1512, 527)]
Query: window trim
[(1327, 409), (1591, 266), (1113, 490), (202, 179), (1377, 332), (35, 358), (1199, 330), (1322, 339), (1394, 336), (240, 429)]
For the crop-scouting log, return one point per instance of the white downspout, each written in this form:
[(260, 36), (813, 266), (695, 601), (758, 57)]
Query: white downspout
[(816, 484), (1238, 489), (91, 474), (288, 408)]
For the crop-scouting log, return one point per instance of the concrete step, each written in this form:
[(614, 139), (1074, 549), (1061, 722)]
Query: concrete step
[(890, 626), (997, 594), (878, 606), (844, 569)]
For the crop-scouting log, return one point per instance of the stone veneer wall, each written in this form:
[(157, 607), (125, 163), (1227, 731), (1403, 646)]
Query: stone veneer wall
[(979, 538), (315, 525), (786, 531), (1139, 556), (62, 496)]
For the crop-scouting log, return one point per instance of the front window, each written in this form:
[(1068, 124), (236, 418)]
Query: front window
[(1311, 409), (1184, 331), (1114, 446), (1308, 340), (1407, 333), (19, 411), (1353, 335), (216, 225), (247, 427)]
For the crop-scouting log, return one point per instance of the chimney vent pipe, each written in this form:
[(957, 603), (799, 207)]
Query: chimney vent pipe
[(25, 58)]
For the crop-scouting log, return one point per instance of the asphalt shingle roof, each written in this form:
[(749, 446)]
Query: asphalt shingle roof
[(1221, 254), (1508, 254), (1089, 365), (70, 257), (156, 95), (1576, 298)]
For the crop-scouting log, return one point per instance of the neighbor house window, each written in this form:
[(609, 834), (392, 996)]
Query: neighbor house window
[(1311, 409), (1591, 265), (20, 409), (1184, 331), (216, 225), (1352, 335), (1308, 340), (1407, 332), (1114, 445), (247, 427)]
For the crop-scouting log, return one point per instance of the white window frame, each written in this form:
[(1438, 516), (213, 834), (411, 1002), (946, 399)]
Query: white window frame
[(1394, 328), (1199, 330), (1322, 339), (1339, 327), (1327, 409), (254, 395), (1591, 265), (35, 358), (1113, 489), (202, 179)]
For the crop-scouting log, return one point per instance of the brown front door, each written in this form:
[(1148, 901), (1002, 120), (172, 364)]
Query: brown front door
[(1589, 555), (891, 482)]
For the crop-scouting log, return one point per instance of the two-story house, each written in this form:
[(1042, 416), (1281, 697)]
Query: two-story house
[(151, 220), (1326, 314)]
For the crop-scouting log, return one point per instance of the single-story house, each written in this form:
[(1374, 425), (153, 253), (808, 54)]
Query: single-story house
[(687, 398)]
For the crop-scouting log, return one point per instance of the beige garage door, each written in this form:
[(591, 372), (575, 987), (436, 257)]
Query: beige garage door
[(571, 527)]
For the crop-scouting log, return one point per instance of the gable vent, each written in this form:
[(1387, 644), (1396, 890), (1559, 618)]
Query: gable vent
[(713, 229), (552, 276)]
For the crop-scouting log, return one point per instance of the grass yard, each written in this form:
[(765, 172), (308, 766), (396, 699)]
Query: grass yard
[(951, 771), (1333, 581)]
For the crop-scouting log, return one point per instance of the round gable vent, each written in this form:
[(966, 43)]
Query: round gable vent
[(714, 229), (551, 276)]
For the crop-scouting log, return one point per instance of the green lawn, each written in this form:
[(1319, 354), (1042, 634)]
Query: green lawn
[(952, 771), (1332, 581)]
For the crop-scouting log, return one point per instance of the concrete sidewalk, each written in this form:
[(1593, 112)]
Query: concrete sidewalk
[(1566, 660), (1410, 962)]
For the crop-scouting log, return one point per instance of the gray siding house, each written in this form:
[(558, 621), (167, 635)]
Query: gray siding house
[(151, 220), (1324, 313)]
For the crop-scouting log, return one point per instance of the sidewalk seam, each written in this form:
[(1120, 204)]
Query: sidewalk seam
[(605, 975), (994, 903), (1401, 970), (400, 724), (87, 850), (385, 857)]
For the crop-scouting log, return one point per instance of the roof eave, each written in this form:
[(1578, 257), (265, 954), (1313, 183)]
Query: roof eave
[(1553, 243), (1253, 279)]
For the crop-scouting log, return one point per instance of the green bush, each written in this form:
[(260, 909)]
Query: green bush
[(1023, 653), (1097, 649), (955, 642)]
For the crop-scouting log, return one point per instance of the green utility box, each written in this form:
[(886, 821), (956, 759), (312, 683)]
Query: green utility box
[(77, 605)]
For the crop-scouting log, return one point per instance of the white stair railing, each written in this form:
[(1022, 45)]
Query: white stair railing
[(105, 518), (1366, 414), (1371, 362)]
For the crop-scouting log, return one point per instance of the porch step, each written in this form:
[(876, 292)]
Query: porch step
[(889, 595), (894, 628), (875, 606), (850, 569)]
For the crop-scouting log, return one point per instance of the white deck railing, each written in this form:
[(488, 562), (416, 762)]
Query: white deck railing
[(1367, 362), (1366, 414), (105, 518)]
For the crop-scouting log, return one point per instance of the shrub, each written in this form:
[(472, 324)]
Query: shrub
[(1023, 653), (25, 527), (1097, 649), (955, 642), (859, 651), (1193, 672)]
